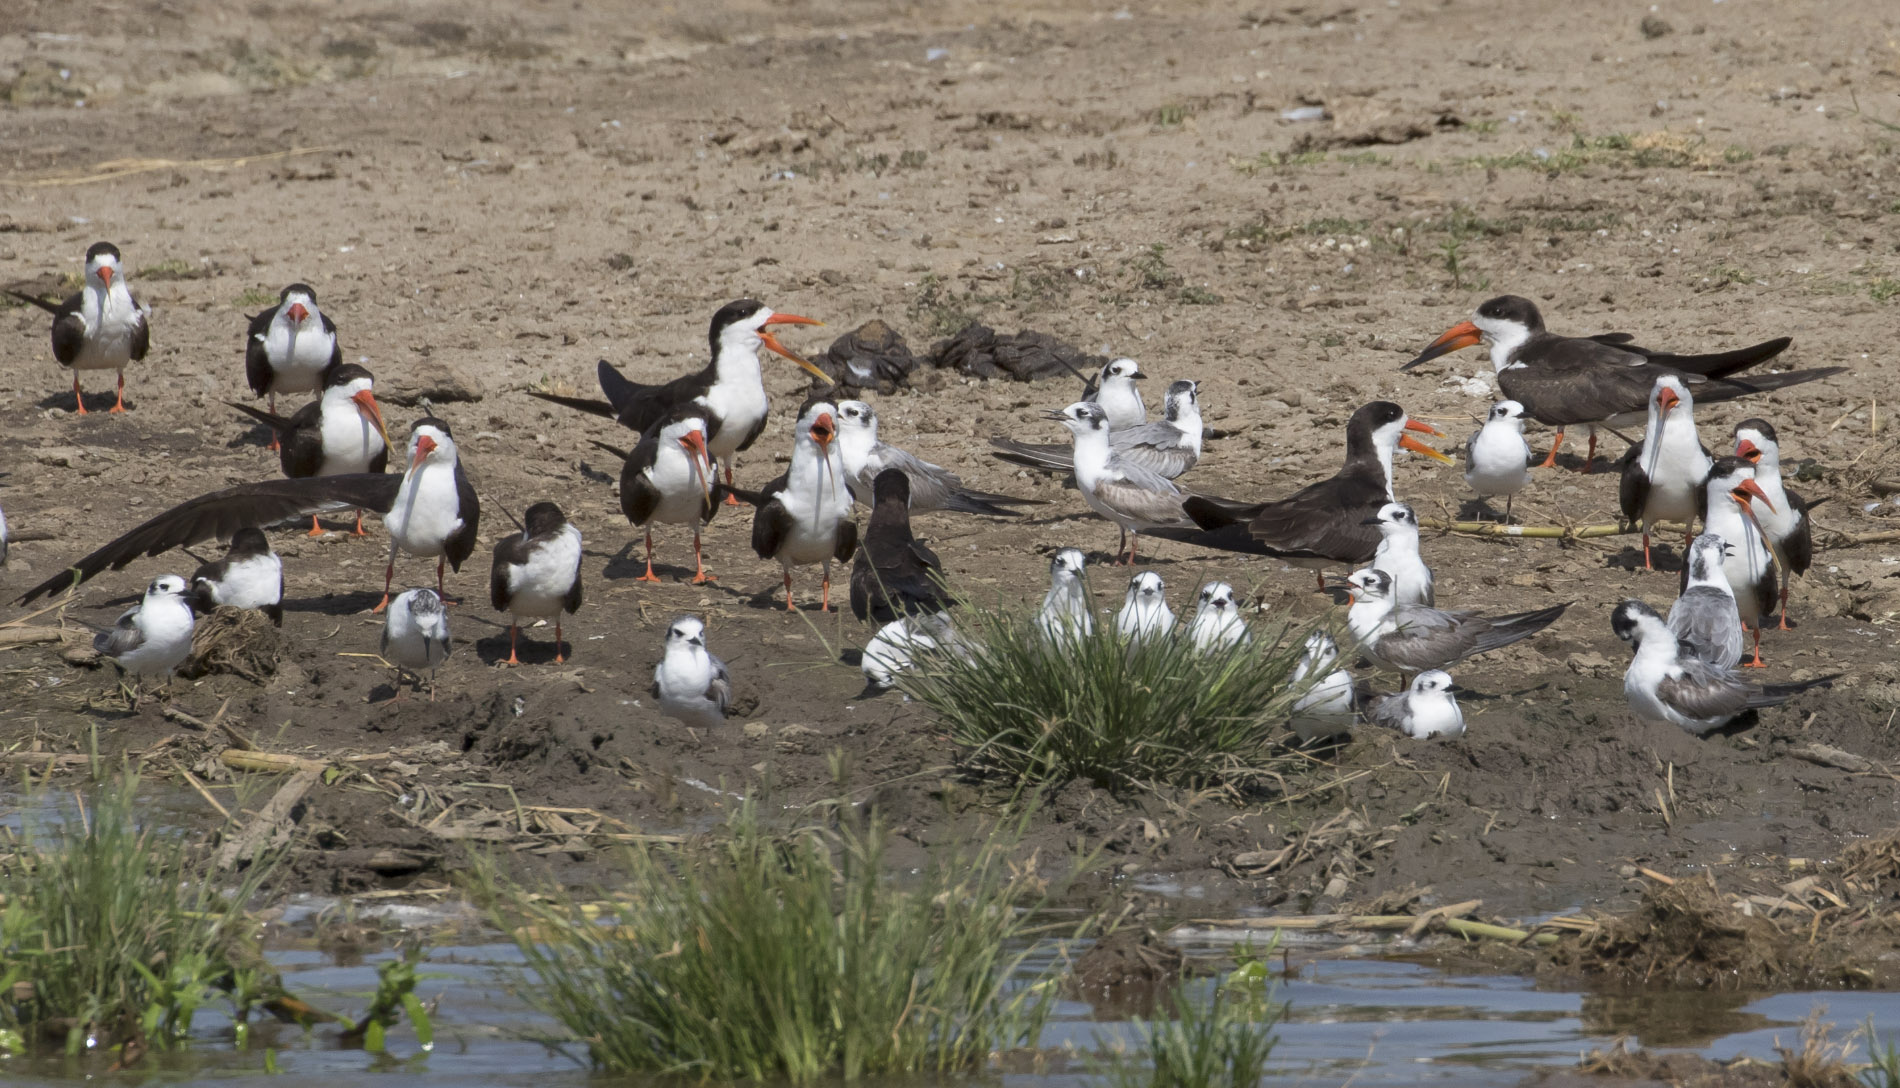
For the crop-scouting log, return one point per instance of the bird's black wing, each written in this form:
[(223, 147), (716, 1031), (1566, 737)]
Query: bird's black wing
[(257, 368), (460, 546), (221, 513), (510, 551)]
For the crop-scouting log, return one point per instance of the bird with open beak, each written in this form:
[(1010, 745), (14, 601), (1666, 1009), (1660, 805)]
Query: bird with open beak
[(804, 516), (1731, 496)]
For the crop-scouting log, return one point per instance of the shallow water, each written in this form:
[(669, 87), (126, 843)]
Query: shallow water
[(1351, 1014)]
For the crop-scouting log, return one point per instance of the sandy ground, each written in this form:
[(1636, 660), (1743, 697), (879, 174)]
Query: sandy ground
[(488, 198)]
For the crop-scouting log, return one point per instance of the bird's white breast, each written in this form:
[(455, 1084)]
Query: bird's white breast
[(539, 586), (253, 582), (427, 510)]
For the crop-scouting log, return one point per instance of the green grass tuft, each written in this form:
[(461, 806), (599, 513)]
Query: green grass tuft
[(173, 269), (254, 298), (1883, 289), (1033, 710), (118, 931), (762, 957)]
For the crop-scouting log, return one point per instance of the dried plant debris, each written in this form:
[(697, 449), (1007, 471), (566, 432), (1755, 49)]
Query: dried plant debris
[(1027, 356), (239, 641)]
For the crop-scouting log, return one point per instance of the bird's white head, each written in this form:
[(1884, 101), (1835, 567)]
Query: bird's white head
[(744, 326), (1218, 596), (1755, 443), (1084, 417), (102, 266), (1394, 519), (1066, 565), (298, 305), (1509, 412), (1432, 682), (686, 631), (1370, 584), (430, 444), (1145, 588), (165, 585)]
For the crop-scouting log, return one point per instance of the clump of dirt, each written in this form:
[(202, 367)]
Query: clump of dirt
[(1680, 1070), (1691, 935), (1129, 967), (1873, 864), (239, 641)]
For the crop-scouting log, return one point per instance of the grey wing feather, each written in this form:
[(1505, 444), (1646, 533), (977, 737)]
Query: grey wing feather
[(1709, 622), (720, 690), (1149, 505), (1427, 638), (123, 638), (1165, 461), (1388, 711), (1702, 691), (382, 643)]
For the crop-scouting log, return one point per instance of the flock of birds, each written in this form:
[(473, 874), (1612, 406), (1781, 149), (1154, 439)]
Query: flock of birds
[(335, 449)]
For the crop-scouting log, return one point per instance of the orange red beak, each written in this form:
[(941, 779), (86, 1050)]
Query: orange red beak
[(105, 274), (1748, 451), (695, 444), (1458, 337), (1407, 442), (1749, 490), (823, 430), (772, 342), (297, 312), (367, 407), (424, 447), (1666, 399)]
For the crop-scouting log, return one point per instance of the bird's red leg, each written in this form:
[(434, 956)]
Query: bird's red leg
[(1757, 663), (1646, 564), (1320, 577), (359, 524), (731, 499), (273, 434), (789, 606), (119, 405), (514, 632), (78, 397), (1590, 459), (824, 602), (440, 590), (558, 656), (389, 572), (1555, 445), (315, 529), (700, 577), (1784, 607), (649, 576), (1134, 542)]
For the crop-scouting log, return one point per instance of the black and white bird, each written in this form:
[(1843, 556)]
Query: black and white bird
[(1601, 380), (430, 510), (1068, 609), (1414, 638), (1704, 617), (1427, 708), (1663, 475), (1132, 497), (102, 327), (895, 575), (537, 573), (804, 516), (289, 346), (1325, 707), (249, 576), (340, 433), (1217, 620), (668, 478), (152, 638), (1323, 524), (730, 388), (1664, 685), (899, 643), (932, 487), (416, 635), (1168, 446), (690, 683), (1398, 554), (1145, 614), (1120, 398), (1730, 498), (1497, 458), (1784, 523)]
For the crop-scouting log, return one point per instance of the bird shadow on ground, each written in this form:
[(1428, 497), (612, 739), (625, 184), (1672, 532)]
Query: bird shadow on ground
[(258, 435), (529, 649), (1664, 557), (94, 402), (623, 566), (337, 604)]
